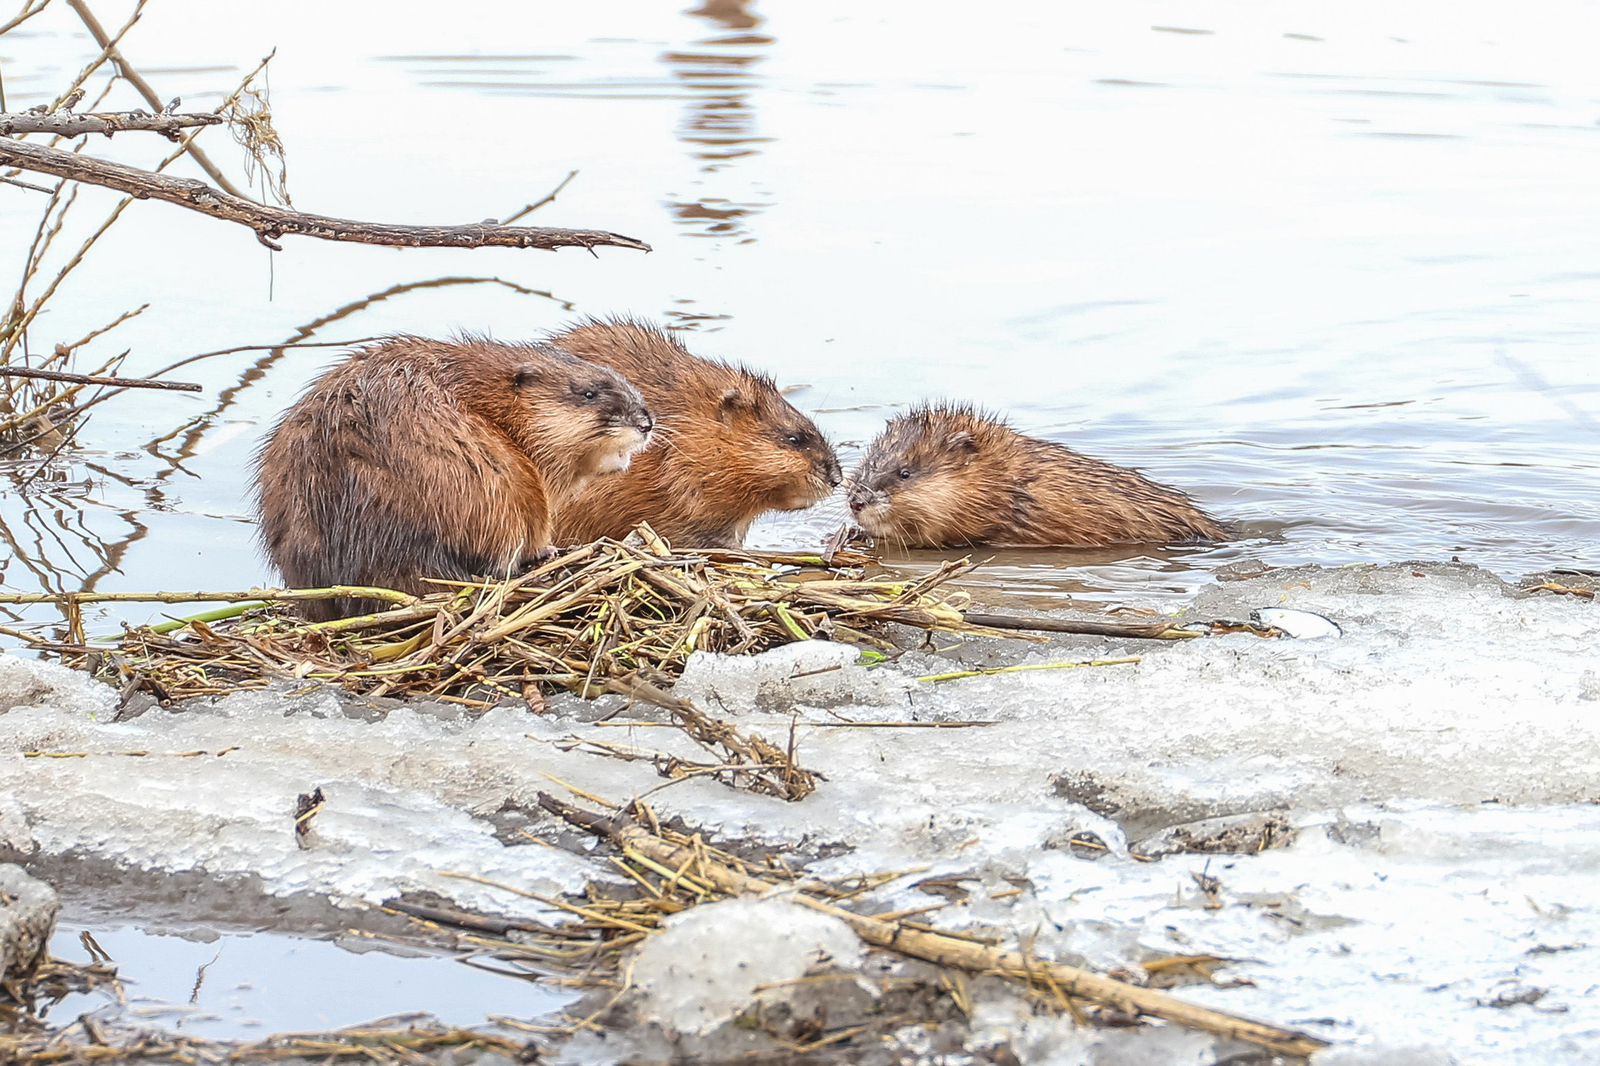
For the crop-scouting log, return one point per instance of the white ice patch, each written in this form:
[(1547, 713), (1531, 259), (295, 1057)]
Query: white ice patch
[(810, 673), (31, 683), (706, 966), (1380, 1055), (1056, 1040)]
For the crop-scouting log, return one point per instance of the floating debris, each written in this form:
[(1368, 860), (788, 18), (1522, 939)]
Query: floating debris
[(1296, 624)]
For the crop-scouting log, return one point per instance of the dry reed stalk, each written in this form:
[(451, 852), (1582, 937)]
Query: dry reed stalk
[(942, 948), (604, 617)]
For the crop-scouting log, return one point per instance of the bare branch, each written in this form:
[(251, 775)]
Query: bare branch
[(548, 197), (74, 92), (92, 379), (66, 124), (27, 185), (136, 79), (29, 9), (270, 222)]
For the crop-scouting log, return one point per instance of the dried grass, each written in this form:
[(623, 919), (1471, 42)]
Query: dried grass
[(609, 617), (605, 617)]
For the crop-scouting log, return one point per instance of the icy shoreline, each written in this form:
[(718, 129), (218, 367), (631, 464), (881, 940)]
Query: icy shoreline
[(1440, 764)]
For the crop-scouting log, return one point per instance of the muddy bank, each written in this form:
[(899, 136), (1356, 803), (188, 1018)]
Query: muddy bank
[(1437, 759)]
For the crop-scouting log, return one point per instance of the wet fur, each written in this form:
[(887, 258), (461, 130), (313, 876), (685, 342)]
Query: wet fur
[(417, 458), (721, 455), (975, 480)]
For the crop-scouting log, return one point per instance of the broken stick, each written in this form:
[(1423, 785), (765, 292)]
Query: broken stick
[(946, 950), (67, 124), (269, 222), (97, 379)]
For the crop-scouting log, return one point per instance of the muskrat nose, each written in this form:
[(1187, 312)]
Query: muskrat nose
[(644, 423), (835, 474), (857, 502)]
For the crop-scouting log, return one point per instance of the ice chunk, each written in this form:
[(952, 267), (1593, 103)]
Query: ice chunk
[(28, 909), (1046, 1040), (815, 673), (16, 839), (705, 967), (31, 683), (1301, 625)]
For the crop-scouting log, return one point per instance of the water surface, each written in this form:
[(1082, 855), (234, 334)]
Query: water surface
[(1332, 270), (246, 986)]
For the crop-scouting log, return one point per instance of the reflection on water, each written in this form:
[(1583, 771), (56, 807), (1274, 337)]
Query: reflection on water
[(245, 986), (719, 121), (59, 537)]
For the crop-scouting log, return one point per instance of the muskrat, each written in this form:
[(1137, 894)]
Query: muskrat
[(418, 458), (950, 476), (727, 446)]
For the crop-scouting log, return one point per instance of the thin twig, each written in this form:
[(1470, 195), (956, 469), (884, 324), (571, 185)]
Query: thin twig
[(136, 79), (1134, 631), (264, 595), (17, 324), (1024, 667), (548, 197), (91, 379), (28, 185), (72, 94), (27, 12)]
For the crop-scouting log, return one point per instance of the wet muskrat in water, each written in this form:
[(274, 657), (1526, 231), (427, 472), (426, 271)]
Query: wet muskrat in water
[(728, 447), (949, 476), (418, 458)]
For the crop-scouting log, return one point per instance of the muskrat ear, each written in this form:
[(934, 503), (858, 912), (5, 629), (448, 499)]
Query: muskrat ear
[(961, 441), (526, 375), (731, 401)]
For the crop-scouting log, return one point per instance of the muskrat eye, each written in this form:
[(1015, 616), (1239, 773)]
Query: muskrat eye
[(905, 473), (589, 394), (793, 439)]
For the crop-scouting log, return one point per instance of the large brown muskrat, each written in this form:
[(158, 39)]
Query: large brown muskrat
[(418, 458), (951, 476), (727, 447)]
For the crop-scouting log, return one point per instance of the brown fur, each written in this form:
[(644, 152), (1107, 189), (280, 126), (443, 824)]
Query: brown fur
[(728, 447), (417, 458), (950, 476)]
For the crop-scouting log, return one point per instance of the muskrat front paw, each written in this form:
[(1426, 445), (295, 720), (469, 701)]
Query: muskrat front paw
[(539, 557)]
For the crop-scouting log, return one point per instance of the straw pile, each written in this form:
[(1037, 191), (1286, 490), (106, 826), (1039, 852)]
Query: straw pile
[(609, 616)]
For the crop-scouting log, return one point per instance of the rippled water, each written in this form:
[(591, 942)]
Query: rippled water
[(1331, 269)]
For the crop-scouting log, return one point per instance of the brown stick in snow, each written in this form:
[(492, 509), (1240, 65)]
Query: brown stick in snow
[(946, 950)]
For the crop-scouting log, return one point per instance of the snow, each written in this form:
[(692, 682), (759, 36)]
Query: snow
[(708, 962), (1436, 765)]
